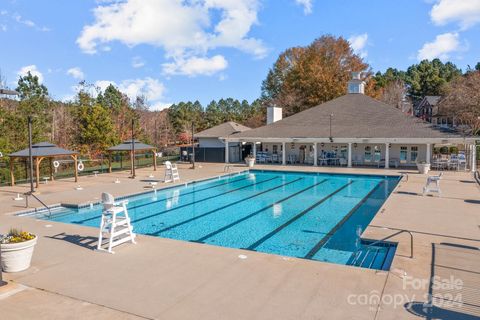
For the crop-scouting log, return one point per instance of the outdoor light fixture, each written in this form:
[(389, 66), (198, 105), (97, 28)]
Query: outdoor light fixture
[(355, 145), (322, 144)]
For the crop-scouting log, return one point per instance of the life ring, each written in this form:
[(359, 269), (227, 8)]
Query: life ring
[(56, 164), (80, 166)]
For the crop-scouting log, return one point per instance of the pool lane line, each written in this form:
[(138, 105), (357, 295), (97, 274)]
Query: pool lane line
[(211, 234), (223, 207), (190, 192), (166, 199), (332, 231), (205, 199), (295, 218)]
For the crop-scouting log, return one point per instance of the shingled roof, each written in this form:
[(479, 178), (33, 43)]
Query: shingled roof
[(354, 116), (127, 146), (43, 149), (222, 130)]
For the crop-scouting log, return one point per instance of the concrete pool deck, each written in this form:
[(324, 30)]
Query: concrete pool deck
[(169, 279)]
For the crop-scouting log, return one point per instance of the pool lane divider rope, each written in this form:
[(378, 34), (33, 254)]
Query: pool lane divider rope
[(223, 207), (332, 231), (170, 198), (202, 239), (295, 218), (205, 199)]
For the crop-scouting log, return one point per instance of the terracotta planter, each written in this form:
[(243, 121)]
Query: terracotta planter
[(17, 256)]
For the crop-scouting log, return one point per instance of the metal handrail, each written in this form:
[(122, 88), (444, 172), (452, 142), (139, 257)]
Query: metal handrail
[(393, 235), (31, 194)]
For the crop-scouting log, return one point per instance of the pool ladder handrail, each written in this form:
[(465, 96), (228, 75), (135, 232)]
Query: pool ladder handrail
[(393, 235), (26, 194)]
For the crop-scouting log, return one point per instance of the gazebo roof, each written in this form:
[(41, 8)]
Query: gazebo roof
[(127, 146), (43, 149)]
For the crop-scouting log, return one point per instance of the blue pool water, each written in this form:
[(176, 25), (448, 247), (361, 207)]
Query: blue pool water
[(307, 215)]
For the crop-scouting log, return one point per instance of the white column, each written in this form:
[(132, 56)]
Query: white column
[(428, 157), (284, 153), (349, 154), (387, 155), (255, 150), (226, 151), (315, 156), (474, 158)]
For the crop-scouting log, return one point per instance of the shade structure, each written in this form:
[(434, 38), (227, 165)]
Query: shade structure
[(128, 146), (40, 152)]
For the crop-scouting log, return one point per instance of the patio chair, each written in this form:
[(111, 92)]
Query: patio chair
[(433, 184), (171, 172), (114, 224), (342, 162), (357, 160)]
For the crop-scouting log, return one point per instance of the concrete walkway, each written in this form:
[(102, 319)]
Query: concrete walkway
[(168, 279)]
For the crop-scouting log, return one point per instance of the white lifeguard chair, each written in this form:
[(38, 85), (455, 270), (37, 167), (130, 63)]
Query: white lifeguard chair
[(171, 172), (115, 224), (433, 184)]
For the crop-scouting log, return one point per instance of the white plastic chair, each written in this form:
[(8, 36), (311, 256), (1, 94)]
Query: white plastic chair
[(433, 184), (115, 224)]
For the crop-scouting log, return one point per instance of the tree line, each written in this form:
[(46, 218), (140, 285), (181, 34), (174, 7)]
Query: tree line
[(301, 77)]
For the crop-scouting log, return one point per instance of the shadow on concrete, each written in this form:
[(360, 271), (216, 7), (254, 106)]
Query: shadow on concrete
[(87, 242), (472, 201), (453, 292)]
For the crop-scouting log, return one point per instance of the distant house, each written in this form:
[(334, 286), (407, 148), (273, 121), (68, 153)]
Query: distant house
[(428, 109), (212, 149)]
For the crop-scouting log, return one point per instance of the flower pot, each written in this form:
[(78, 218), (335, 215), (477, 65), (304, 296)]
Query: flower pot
[(17, 256), (423, 168), (250, 162)]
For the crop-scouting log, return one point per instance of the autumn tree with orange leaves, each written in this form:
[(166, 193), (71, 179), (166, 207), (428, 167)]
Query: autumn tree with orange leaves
[(303, 77)]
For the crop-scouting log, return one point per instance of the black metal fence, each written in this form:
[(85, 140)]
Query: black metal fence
[(120, 161), (203, 154)]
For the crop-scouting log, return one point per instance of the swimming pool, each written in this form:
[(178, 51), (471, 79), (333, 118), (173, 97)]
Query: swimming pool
[(315, 216)]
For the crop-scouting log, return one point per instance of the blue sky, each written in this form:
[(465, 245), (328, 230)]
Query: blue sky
[(172, 50)]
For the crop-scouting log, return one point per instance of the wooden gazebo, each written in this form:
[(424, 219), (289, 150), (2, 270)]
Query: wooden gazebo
[(40, 152), (128, 146)]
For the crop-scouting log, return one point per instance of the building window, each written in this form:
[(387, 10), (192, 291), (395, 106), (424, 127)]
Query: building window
[(413, 154), (368, 154), (343, 152), (377, 154), (403, 154), (275, 149)]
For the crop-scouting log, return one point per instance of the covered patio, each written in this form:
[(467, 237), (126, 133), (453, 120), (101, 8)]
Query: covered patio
[(354, 130), (40, 152)]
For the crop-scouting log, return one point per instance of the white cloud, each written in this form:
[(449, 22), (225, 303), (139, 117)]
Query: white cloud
[(307, 5), (464, 12), (359, 44), (137, 62), (443, 45), (151, 88), (196, 66), (33, 70), (76, 73), (184, 29), (29, 23), (160, 106)]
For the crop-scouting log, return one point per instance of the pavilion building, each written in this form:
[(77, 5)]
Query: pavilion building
[(357, 129)]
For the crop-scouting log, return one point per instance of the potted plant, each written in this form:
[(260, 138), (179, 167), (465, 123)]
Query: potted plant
[(250, 161), (16, 250), (423, 167)]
